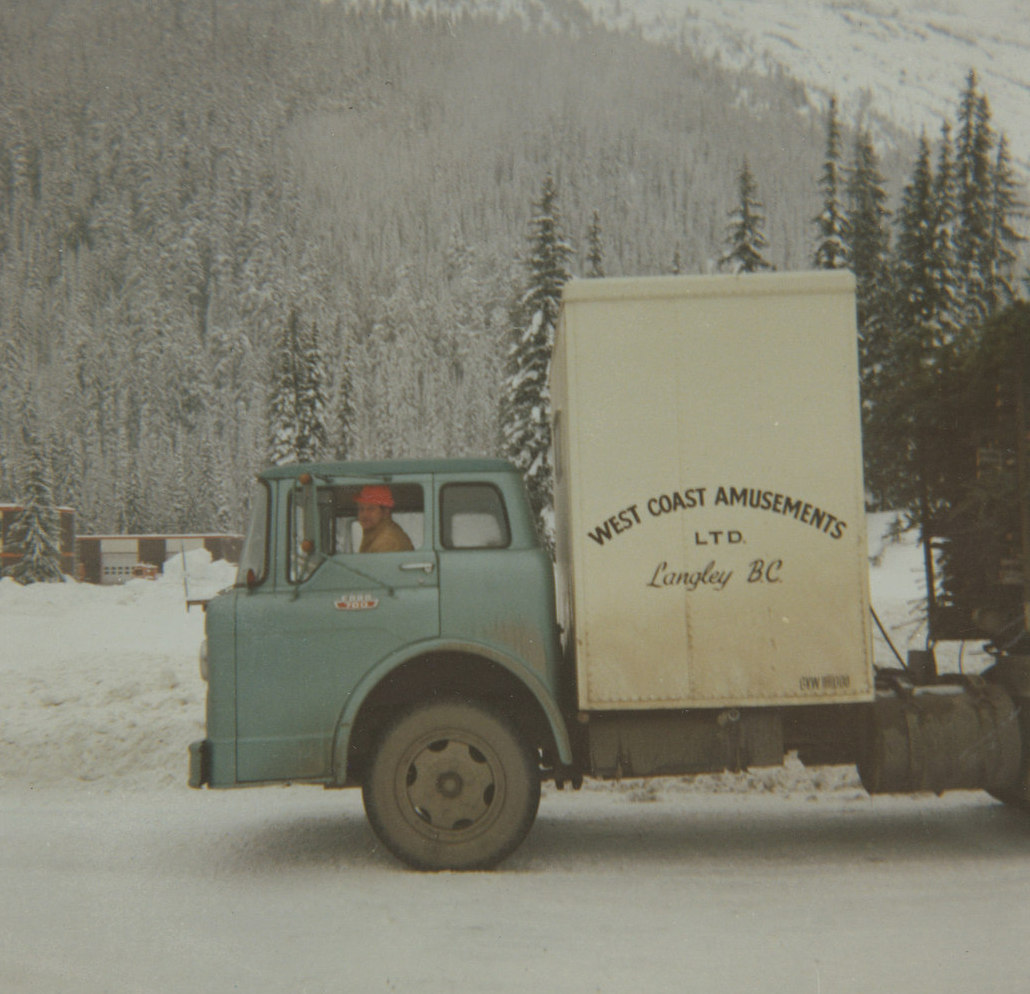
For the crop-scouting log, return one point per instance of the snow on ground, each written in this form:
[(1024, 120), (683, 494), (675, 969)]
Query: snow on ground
[(102, 686), (276, 890), (118, 878)]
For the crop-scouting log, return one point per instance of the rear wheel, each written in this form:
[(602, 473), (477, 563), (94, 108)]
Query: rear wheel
[(452, 786)]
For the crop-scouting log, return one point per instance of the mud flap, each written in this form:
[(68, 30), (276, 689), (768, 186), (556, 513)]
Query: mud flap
[(200, 763)]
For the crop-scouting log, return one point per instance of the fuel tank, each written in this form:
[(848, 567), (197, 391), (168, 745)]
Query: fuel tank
[(947, 736)]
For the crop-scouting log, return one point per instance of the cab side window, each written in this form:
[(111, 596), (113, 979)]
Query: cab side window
[(473, 516), (407, 511)]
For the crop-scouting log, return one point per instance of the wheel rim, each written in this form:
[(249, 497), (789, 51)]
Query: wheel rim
[(451, 785)]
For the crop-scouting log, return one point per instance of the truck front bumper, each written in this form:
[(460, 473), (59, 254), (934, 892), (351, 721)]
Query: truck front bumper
[(200, 763)]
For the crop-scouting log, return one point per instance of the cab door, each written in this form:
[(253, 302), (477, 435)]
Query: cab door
[(330, 616)]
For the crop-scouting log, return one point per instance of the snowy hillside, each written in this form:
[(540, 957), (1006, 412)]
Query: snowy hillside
[(378, 172), (906, 60)]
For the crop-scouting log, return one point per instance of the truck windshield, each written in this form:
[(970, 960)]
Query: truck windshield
[(254, 558)]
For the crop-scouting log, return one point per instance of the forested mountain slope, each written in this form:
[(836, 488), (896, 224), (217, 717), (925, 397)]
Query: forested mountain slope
[(180, 181)]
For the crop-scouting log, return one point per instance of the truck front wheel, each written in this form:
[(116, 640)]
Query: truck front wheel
[(452, 786)]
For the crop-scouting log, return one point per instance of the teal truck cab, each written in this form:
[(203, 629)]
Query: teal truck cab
[(708, 609), (323, 661)]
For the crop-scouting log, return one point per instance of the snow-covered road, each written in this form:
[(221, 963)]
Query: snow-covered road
[(168, 890), (117, 878)]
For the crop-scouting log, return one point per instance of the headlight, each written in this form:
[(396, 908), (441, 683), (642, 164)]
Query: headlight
[(205, 671)]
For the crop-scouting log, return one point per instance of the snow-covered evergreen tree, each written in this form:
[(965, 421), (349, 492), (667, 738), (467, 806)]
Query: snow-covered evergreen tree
[(943, 265), (35, 536), (133, 519), (867, 233), (745, 237), (312, 400), (868, 240), (831, 248), (917, 298), (904, 411), (297, 407), (1006, 205), (898, 356), (595, 248), (13, 402), (343, 440), (526, 402), (974, 196), (868, 251)]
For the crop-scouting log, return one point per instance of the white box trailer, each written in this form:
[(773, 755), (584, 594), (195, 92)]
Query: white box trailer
[(709, 496)]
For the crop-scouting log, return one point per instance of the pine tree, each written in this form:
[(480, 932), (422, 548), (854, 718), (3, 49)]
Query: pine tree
[(595, 250), (868, 239), (282, 404), (133, 517), (971, 505), (344, 408), (526, 402), (974, 182), (943, 267), (13, 409), (746, 234), (830, 250), (35, 534), (866, 231), (903, 421), (1005, 205), (917, 296), (297, 405), (968, 507), (312, 401), (868, 251)]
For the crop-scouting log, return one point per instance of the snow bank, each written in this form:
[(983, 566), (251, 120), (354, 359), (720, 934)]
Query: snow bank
[(101, 684), (199, 573)]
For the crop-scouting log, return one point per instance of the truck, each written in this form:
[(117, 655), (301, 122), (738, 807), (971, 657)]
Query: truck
[(706, 608)]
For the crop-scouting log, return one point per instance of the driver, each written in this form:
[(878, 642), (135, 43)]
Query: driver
[(380, 533)]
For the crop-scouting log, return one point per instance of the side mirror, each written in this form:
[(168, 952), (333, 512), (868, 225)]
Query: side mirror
[(308, 544), (309, 541)]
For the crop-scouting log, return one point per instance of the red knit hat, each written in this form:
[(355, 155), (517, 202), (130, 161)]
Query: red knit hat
[(377, 495)]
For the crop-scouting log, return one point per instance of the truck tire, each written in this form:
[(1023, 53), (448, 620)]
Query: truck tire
[(451, 786)]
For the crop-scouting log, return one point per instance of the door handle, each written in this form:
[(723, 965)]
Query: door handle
[(424, 567)]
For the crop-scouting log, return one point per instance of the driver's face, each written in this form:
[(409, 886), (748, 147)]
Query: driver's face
[(370, 516)]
